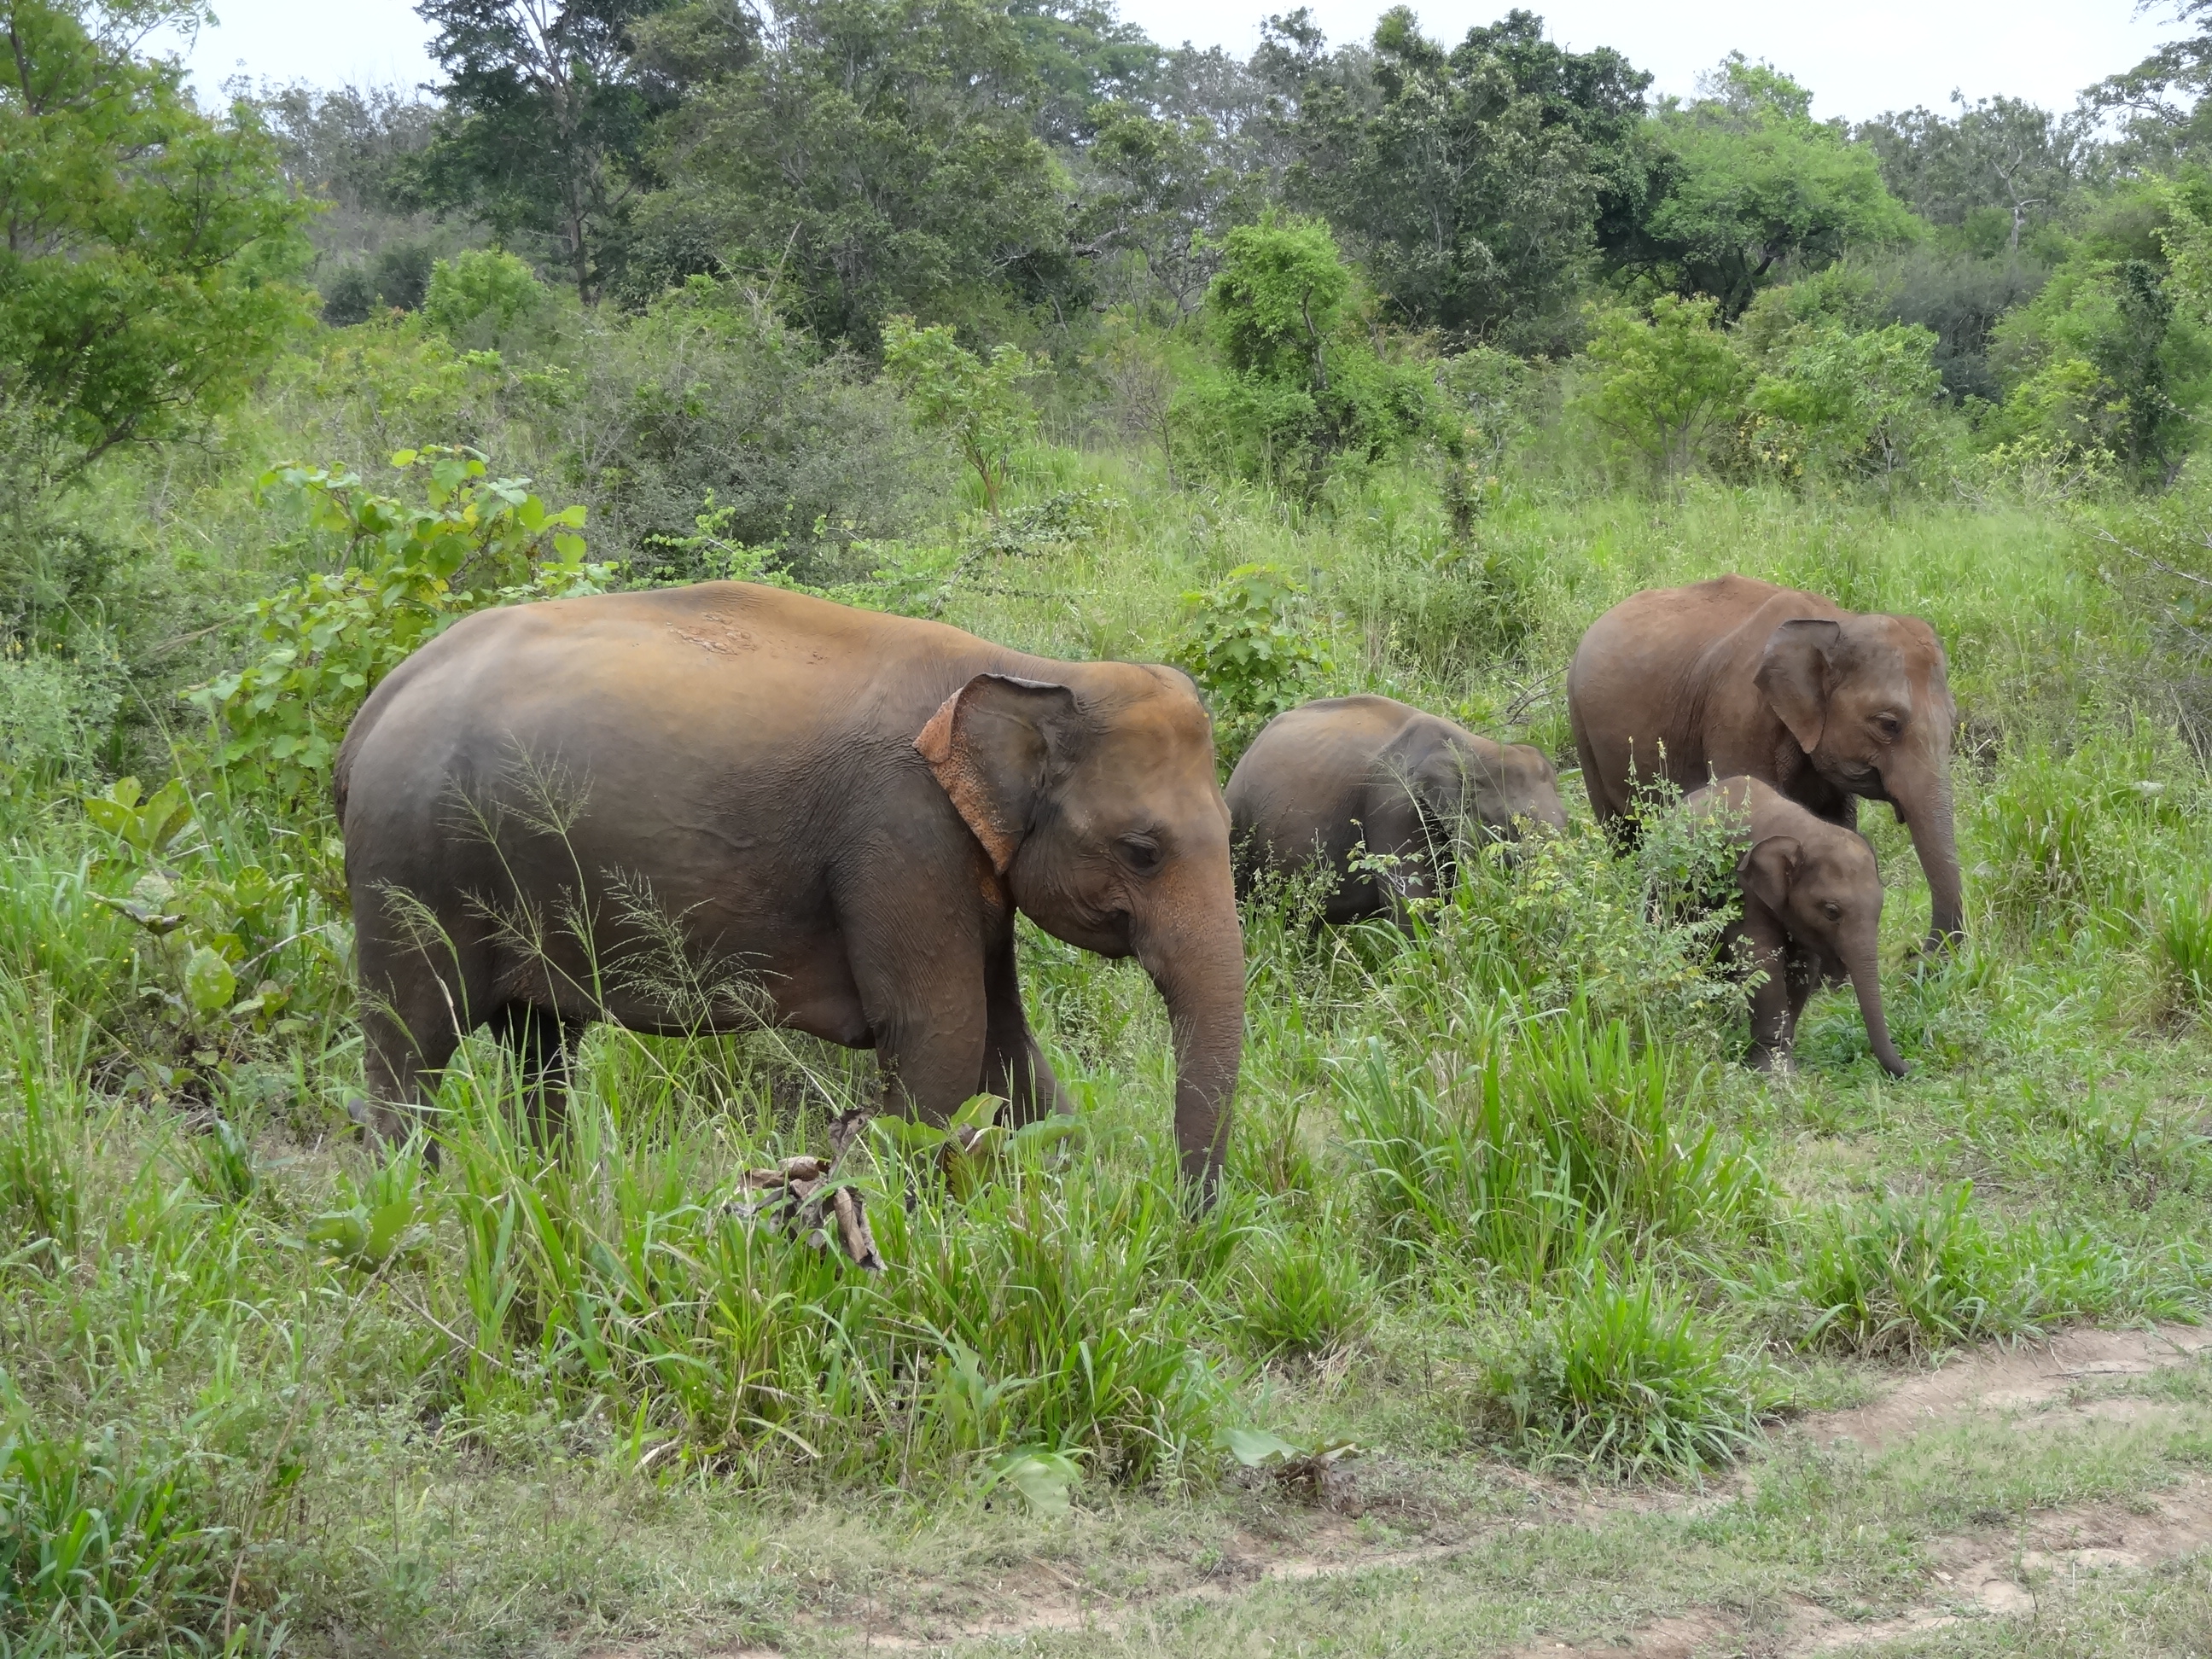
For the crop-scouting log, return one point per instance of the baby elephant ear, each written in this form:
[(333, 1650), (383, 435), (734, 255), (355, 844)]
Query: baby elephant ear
[(991, 746), (1768, 868), (1794, 675)]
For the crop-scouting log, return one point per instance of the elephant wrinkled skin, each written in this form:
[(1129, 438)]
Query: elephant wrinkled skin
[(1733, 676), (1812, 914), (699, 808), (1327, 779)]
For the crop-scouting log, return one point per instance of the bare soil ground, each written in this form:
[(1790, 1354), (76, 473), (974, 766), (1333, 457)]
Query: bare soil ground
[(1981, 1570)]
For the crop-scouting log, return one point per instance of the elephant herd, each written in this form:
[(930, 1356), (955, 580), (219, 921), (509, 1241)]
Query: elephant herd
[(699, 809)]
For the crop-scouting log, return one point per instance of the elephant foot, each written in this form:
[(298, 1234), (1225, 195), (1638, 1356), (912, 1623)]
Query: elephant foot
[(1771, 1062), (793, 1196), (378, 1123)]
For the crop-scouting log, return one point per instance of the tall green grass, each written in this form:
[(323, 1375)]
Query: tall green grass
[(1519, 1123)]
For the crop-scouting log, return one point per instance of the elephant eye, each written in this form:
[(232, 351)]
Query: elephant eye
[(1140, 853), (1890, 724), (1834, 911)]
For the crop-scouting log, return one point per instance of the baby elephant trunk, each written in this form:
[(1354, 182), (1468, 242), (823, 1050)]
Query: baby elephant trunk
[(1864, 969)]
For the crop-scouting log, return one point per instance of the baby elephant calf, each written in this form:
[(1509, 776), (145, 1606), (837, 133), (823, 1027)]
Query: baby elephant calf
[(1811, 912), (1325, 780)]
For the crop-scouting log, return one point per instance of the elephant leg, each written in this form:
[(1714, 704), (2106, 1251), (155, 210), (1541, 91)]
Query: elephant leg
[(543, 1045), (1773, 1016), (418, 999), (918, 963), (1014, 1066), (1804, 978)]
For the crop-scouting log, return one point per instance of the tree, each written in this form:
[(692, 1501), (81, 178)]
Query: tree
[(546, 124), (1747, 186), (143, 281), (875, 156), (1853, 401), (2000, 165), (1472, 198), (1083, 56), (1659, 383), (1305, 385), (978, 405), (1164, 193), (2152, 362)]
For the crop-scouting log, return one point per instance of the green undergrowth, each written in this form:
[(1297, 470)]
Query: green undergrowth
[(1498, 1188)]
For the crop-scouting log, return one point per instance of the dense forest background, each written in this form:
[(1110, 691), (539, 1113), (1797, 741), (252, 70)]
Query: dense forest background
[(654, 256)]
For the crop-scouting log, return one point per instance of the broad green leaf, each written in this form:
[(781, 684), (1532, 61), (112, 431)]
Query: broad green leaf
[(209, 981), (1042, 1477)]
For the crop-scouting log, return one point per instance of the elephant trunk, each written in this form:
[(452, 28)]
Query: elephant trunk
[(1925, 805), (1861, 963), (1196, 959)]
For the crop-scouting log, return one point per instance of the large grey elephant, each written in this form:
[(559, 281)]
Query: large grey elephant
[(1331, 778), (1812, 913), (828, 818), (1733, 676)]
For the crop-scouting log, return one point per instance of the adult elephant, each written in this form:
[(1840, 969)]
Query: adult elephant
[(1332, 778), (697, 809), (1733, 676)]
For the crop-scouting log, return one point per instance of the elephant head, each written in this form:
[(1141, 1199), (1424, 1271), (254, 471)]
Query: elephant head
[(1824, 891), (1865, 699), (1497, 785), (1103, 817)]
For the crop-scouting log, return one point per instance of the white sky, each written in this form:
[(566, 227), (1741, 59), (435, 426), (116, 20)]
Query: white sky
[(1860, 57)]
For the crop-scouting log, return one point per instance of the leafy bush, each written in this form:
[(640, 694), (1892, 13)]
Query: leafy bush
[(1304, 387), (1302, 1291), (2071, 840), (1912, 1273), (1250, 645), (706, 405), (409, 573), (979, 405), (225, 953), (106, 1546), (54, 715), (2181, 945), (1537, 1147), (482, 292), (397, 279), (1660, 383), (1848, 403)]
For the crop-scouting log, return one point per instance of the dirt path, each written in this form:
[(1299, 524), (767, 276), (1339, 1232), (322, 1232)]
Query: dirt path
[(2045, 1385), (2067, 1380)]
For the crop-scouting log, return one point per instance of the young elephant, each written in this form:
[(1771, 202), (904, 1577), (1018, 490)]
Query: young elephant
[(1324, 780), (1812, 910)]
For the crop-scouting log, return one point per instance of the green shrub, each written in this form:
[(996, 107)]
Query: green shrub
[(979, 405), (54, 715), (2071, 840), (1248, 642), (1661, 383), (410, 572), (107, 1542), (482, 292), (1304, 386), (2181, 945)]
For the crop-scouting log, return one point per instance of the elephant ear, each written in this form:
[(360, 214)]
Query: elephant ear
[(1447, 784), (991, 746), (1767, 870), (1794, 675)]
